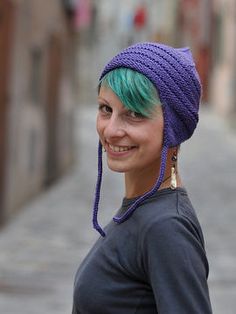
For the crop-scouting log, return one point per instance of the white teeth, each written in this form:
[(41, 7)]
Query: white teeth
[(117, 149)]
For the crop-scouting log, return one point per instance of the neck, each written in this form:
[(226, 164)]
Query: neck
[(142, 181), (137, 184)]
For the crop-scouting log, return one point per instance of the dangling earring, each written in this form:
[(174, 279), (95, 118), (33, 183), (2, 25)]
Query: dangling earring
[(104, 149), (173, 182)]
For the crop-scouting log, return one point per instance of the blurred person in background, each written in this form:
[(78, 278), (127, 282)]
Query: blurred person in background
[(140, 17), (151, 257), (140, 22)]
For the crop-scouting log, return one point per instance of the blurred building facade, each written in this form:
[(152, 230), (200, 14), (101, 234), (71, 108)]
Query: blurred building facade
[(37, 97), (164, 21), (185, 23), (223, 75), (195, 30), (208, 27)]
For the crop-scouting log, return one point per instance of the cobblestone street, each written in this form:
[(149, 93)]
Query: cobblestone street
[(43, 245)]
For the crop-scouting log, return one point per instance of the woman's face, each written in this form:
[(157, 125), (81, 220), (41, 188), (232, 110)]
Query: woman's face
[(132, 142)]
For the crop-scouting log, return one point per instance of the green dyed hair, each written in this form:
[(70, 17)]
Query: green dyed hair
[(136, 91)]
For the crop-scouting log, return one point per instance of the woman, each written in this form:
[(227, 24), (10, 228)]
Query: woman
[(150, 258)]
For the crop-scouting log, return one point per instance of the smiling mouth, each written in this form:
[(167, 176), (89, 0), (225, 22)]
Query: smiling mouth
[(118, 149)]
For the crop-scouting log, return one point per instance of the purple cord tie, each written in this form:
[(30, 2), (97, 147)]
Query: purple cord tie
[(97, 195), (134, 206)]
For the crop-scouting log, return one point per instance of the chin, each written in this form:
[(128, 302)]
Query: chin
[(117, 168)]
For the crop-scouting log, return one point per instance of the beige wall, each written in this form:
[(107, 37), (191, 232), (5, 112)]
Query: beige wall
[(223, 75), (163, 21)]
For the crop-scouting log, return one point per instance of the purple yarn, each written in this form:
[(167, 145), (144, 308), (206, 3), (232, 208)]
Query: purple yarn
[(97, 193), (173, 72)]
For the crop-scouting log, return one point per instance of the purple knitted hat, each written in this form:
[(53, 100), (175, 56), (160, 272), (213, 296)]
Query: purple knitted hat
[(173, 73)]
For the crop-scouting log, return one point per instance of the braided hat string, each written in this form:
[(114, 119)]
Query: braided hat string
[(97, 193), (132, 208)]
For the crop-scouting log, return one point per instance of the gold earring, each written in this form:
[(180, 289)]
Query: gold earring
[(173, 181)]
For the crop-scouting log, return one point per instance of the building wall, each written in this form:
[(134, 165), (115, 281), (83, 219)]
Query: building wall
[(163, 21), (36, 83), (223, 79), (6, 39), (195, 31)]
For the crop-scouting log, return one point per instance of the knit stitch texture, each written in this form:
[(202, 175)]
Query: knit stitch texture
[(173, 72)]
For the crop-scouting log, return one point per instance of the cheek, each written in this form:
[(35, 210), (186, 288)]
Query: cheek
[(100, 128), (158, 131), (154, 134), (152, 142), (98, 125)]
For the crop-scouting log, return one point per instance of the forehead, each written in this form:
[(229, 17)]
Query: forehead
[(107, 95)]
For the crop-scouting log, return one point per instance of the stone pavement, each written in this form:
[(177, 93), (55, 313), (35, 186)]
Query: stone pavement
[(43, 245)]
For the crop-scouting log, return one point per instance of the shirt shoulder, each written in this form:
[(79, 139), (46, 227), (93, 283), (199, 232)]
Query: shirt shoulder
[(169, 213)]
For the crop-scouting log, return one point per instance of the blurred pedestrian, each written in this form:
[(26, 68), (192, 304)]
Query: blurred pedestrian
[(150, 258), (140, 22), (140, 17)]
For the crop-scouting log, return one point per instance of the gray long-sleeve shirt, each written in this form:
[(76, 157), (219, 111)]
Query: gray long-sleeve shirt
[(154, 262)]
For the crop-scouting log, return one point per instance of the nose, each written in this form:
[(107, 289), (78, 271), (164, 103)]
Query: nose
[(114, 128)]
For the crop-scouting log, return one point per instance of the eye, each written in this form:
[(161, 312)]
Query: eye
[(135, 115), (105, 109)]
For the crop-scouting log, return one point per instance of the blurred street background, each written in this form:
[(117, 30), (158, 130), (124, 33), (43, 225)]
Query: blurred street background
[(51, 55)]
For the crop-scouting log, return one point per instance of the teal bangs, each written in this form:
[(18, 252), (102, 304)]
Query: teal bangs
[(136, 91)]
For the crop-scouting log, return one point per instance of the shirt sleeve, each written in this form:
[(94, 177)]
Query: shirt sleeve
[(175, 262)]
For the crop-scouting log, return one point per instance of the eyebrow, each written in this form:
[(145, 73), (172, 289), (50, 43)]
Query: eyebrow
[(124, 109), (103, 99)]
